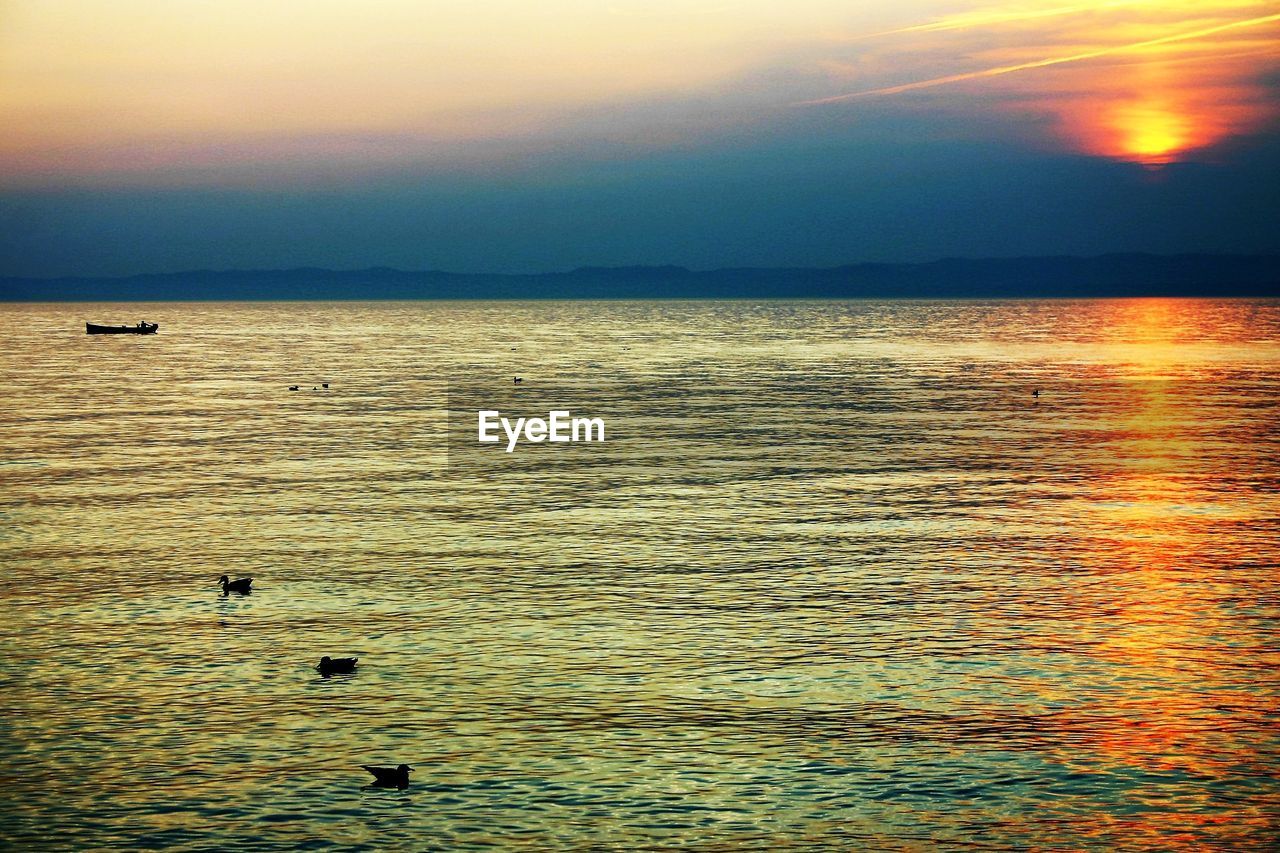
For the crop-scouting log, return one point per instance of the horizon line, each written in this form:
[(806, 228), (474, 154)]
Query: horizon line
[(648, 267)]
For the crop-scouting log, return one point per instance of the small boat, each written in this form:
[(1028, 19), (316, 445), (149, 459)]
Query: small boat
[(140, 329)]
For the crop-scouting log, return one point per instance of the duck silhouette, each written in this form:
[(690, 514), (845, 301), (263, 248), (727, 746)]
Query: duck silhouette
[(293, 387), (242, 585), (328, 665), (389, 777), (517, 380)]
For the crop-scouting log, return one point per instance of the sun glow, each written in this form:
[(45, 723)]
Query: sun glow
[(1151, 134), (1157, 106), (1143, 82)]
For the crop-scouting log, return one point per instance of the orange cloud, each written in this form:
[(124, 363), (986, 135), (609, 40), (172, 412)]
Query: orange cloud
[(1133, 80)]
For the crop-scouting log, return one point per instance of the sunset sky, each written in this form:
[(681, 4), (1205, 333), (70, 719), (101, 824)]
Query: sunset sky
[(154, 135)]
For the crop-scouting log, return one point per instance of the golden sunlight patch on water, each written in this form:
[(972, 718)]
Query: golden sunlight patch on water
[(1163, 509)]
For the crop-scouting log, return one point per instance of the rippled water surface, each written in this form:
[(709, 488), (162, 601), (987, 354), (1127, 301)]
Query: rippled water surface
[(835, 580)]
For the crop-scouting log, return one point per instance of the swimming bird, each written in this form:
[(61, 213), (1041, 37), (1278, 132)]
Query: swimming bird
[(293, 387), (329, 665), (1035, 393), (241, 585), (390, 777), (324, 384), (517, 380)]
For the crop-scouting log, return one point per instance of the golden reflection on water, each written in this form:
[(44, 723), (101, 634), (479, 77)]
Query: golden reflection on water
[(1172, 627), (839, 580)]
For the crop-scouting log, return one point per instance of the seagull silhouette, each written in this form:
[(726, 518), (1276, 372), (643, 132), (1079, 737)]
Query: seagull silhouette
[(389, 777), (328, 665), (242, 585)]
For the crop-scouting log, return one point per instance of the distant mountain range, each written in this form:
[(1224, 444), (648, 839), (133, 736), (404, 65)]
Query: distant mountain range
[(1102, 276)]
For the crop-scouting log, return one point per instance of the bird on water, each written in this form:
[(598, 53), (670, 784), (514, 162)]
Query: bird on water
[(517, 380), (389, 777), (241, 585), (328, 665)]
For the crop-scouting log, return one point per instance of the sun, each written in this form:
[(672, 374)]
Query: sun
[(1151, 133)]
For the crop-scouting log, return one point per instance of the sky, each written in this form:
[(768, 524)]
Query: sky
[(161, 135)]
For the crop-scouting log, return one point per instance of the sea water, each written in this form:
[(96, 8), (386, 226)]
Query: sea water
[(878, 575)]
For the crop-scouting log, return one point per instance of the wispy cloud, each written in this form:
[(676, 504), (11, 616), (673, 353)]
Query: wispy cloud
[(974, 20), (1044, 63)]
